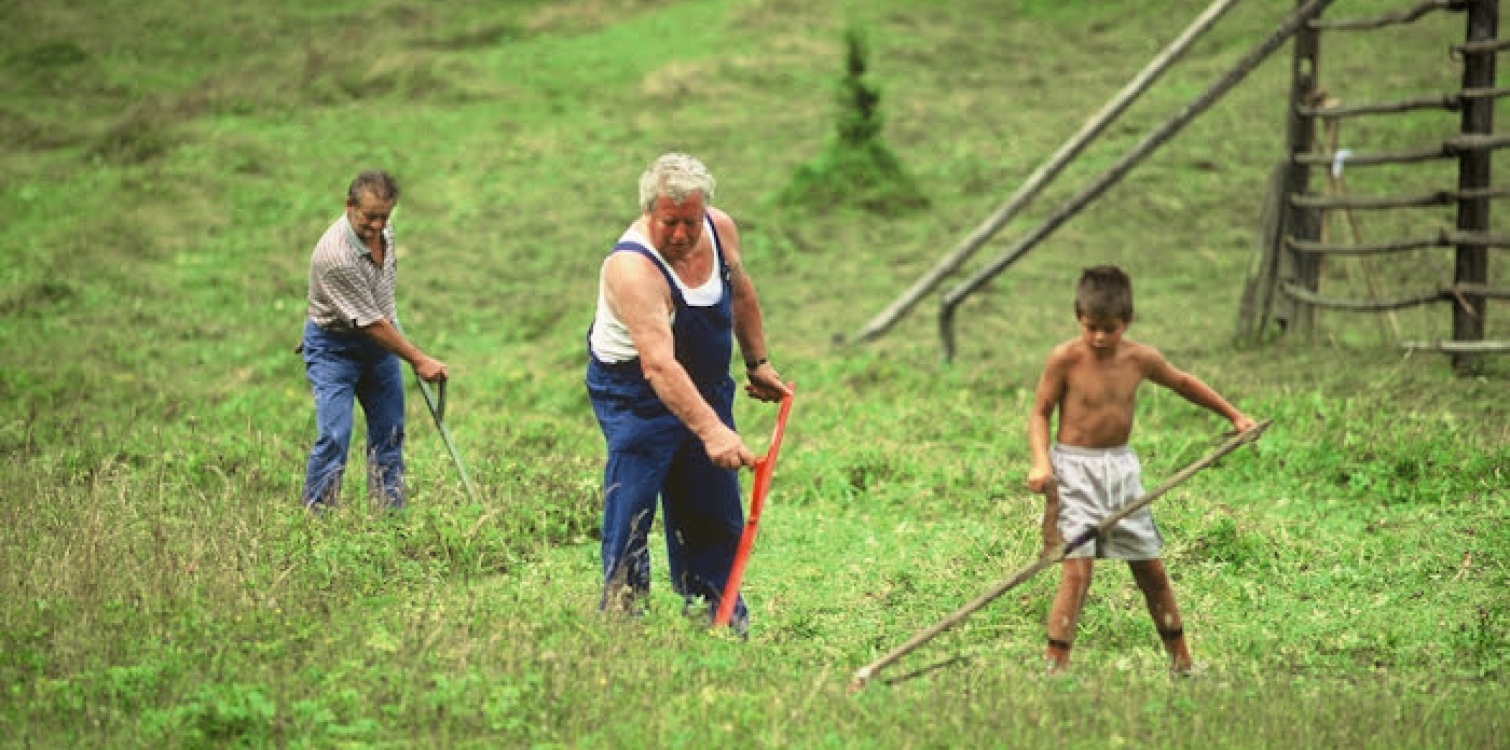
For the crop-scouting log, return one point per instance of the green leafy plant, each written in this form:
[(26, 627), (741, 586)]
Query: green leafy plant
[(856, 167)]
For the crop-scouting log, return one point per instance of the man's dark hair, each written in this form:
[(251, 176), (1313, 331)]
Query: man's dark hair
[(1104, 292), (376, 183)]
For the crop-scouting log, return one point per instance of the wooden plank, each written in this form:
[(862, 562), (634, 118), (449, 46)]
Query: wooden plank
[(1409, 15), (1446, 102), (1442, 239), (1478, 93), (1479, 48), (1447, 292), (1439, 198), (1451, 148), (1482, 290), (1478, 140), (1314, 299), (1458, 347), (1374, 158), (1449, 102)]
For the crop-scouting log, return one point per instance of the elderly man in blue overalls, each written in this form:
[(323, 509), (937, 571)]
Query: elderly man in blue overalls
[(672, 298)]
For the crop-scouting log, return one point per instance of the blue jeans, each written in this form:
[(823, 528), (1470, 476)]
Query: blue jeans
[(342, 368), (652, 455)]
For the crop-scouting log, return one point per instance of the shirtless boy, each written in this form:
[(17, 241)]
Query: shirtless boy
[(1093, 382)]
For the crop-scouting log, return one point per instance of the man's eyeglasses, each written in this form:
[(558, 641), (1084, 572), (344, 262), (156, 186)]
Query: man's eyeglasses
[(369, 218)]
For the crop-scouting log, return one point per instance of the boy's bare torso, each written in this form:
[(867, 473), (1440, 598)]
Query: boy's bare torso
[(1099, 392)]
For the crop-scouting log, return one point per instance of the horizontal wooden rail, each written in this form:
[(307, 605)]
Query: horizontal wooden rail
[(1450, 149), (1459, 347), (1476, 142), (1375, 248), (1438, 198), (1442, 239), (1446, 292), (1479, 290), (1472, 48), (1408, 15), (1479, 93), (1448, 102), (1376, 158), (1299, 293)]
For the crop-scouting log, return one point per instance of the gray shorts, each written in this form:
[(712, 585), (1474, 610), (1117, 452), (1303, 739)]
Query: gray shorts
[(1093, 484)]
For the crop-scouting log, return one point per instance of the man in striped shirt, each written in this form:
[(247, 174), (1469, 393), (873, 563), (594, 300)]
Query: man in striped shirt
[(352, 346)]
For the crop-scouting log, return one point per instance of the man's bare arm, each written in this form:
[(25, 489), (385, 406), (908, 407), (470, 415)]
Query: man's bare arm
[(392, 339), (636, 292), (749, 326), (1192, 389)]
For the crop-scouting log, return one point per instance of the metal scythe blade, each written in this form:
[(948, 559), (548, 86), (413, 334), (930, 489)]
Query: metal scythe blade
[(438, 411)]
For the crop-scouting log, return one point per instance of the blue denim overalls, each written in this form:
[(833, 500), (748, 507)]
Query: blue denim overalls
[(652, 453)]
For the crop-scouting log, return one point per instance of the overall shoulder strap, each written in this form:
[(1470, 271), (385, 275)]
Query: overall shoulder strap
[(626, 246), (718, 249)]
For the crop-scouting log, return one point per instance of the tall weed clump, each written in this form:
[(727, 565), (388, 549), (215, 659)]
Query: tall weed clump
[(856, 168)]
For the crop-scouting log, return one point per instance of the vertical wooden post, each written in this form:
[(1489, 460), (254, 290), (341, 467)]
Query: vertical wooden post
[(1472, 264), (1299, 222)]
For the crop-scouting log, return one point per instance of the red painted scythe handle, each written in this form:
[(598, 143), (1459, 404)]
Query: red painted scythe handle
[(763, 468)]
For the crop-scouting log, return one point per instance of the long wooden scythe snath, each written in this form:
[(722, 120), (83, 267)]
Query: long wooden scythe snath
[(763, 469), (1054, 555)]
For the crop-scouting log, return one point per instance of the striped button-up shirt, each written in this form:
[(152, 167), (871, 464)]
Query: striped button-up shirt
[(347, 289)]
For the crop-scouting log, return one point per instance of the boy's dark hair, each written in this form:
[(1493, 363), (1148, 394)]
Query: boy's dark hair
[(375, 182), (1104, 292)]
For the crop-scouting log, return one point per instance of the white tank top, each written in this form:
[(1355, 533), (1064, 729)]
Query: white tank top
[(610, 341)]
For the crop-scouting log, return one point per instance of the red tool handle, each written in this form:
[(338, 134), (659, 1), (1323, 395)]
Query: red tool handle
[(763, 468)]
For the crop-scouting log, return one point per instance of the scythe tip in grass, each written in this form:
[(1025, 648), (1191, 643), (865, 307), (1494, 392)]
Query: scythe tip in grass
[(858, 682)]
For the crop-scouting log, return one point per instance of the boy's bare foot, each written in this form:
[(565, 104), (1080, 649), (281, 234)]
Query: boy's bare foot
[(1183, 668)]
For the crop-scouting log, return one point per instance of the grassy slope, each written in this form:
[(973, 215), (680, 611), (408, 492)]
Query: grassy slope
[(170, 163)]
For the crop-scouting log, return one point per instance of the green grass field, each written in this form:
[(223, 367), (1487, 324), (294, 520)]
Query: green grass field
[(167, 166)]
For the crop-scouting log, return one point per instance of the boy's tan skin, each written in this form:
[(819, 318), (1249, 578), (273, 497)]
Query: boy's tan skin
[(1093, 382)]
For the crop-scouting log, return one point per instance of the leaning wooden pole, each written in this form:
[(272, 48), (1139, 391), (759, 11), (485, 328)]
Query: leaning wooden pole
[(1044, 174), (1291, 25), (869, 671)]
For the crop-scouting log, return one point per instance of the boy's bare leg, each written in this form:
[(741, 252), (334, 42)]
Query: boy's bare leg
[(1154, 582), (1074, 582)]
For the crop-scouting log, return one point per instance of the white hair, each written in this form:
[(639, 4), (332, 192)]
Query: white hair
[(675, 176)]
